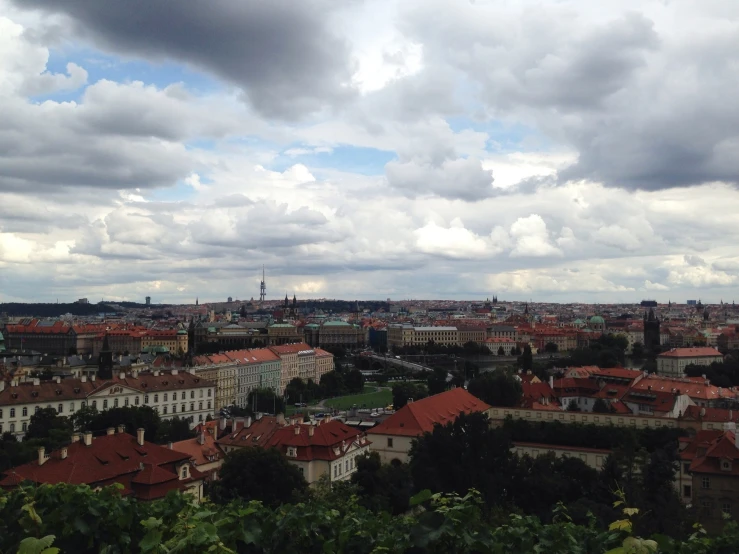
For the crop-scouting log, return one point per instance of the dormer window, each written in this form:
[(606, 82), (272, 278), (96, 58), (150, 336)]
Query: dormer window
[(726, 465), (292, 451)]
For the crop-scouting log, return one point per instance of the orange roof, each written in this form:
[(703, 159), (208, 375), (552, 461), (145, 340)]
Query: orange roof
[(253, 356), (420, 417), (198, 452), (675, 385), (701, 352), (290, 348)]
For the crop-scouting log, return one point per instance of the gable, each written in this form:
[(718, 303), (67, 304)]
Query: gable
[(114, 389)]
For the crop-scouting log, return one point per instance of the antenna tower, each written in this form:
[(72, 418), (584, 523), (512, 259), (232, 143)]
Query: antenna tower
[(262, 288)]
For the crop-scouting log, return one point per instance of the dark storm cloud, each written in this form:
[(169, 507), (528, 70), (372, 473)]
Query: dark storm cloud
[(280, 52)]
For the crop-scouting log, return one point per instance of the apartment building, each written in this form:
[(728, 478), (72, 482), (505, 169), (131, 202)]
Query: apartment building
[(172, 393), (674, 362)]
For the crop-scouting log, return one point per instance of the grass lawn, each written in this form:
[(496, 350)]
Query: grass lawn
[(375, 399)]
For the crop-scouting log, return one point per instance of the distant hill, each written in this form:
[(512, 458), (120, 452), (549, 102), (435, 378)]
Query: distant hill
[(18, 309)]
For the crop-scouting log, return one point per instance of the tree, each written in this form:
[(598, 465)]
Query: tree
[(637, 351), (382, 487), (501, 352), (131, 417), (266, 401), (173, 430), (436, 382), (515, 351), (332, 384), (497, 388), (550, 348), (478, 453), (600, 406), (47, 425), (573, 406), (526, 360), (253, 473), (354, 381), (402, 392)]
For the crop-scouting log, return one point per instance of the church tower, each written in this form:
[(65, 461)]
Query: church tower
[(105, 361), (651, 331)]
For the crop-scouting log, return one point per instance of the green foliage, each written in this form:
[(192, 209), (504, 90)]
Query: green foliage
[(606, 351), (382, 487), (436, 382), (402, 392), (497, 388), (259, 474), (80, 521), (526, 360), (721, 374), (51, 429), (173, 430), (266, 401)]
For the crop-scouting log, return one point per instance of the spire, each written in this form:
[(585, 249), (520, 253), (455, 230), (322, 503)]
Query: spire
[(197, 301), (295, 301), (106, 344)]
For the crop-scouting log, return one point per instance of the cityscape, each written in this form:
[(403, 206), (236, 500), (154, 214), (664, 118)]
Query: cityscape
[(379, 276)]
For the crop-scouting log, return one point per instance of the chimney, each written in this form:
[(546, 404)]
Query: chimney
[(2, 386), (280, 419), (36, 382), (122, 375), (92, 378), (222, 423), (551, 381), (212, 431), (297, 429), (156, 373), (121, 429), (327, 419), (84, 379), (64, 452), (174, 372), (57, 380), (75, 438), (311, 430), (170, 445), (42, 456), (201, 438), (88, 438), (140, 436), (259, 416), (248, 422), (111, 431)]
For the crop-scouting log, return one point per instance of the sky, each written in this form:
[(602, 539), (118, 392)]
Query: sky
[(552, 150)]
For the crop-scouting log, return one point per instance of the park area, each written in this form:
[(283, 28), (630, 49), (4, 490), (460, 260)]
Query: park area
[(372, 397)]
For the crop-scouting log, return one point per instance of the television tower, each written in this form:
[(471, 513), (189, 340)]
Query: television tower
[(262, 289)]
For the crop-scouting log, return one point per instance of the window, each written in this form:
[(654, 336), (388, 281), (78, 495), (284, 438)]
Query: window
[(200, 417), (115, 402), (687, 491), (12, 427), (201, 393), (184, 472), (1, 427), (136, 401), (192, 394), (726, 508), (209, 393), (706, 484), (164, 410), (71, 407), (94, 403), (174, 408), (24, 427), (36, 409), (686, 468), (183, 407), (346, 468), (156, 398), (389, 442), (12, 412), (192, 406), (60, 408), (165, 397), (200, 405), (105, 404), (706, 507), (209, 404), (24, 412)]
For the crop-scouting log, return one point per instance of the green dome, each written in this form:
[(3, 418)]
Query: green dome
[(596, 319)]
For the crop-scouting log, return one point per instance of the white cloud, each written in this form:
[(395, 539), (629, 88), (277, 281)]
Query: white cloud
[(531, 238), (454, 241)]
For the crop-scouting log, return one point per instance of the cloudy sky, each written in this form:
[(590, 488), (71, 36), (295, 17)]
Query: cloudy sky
[(557, 150)]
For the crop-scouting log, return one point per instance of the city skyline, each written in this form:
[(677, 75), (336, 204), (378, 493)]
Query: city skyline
[(554, 152)]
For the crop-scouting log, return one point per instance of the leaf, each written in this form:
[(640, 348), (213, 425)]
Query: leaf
[(631, 511), (151, 540), (32, 545), (620, 525), (423, 496)]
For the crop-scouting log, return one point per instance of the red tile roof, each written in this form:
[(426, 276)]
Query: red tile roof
[(711, 414), (201, 454), (257, 434), (329, 441), (291, 348), (701, 352), (420, 416), (709, 450), (116, 458)]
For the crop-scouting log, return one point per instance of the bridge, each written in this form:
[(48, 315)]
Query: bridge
[(391, 360)]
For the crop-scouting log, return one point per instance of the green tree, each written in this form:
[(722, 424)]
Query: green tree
[(402, 392), (266, 401), (382, 487), (252, 473), (526, 360), (332, 384), (131, 417), (497, 388), (354, 381), (174, 430), (573, 406), (479, 454), (550, 348), (501, 352), (600, 406), (436, 382), (50, 428)]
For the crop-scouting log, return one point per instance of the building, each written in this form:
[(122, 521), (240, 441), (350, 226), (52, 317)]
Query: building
[(171, 394), (259, 368), (327, 448), (714, 467), (340, 334), (51, 337), (205, 454), (221, 370), (300, 360), (283, 333), (392, 438), (674, 362), (494, 344), (146, 471), (593, 457)]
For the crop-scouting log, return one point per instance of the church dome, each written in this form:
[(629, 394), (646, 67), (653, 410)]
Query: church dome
[(597, 320)]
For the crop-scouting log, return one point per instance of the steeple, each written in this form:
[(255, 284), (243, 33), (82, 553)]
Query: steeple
[(287, 302), (295, 302), (197, 301), (526, 309), (105, 360)]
